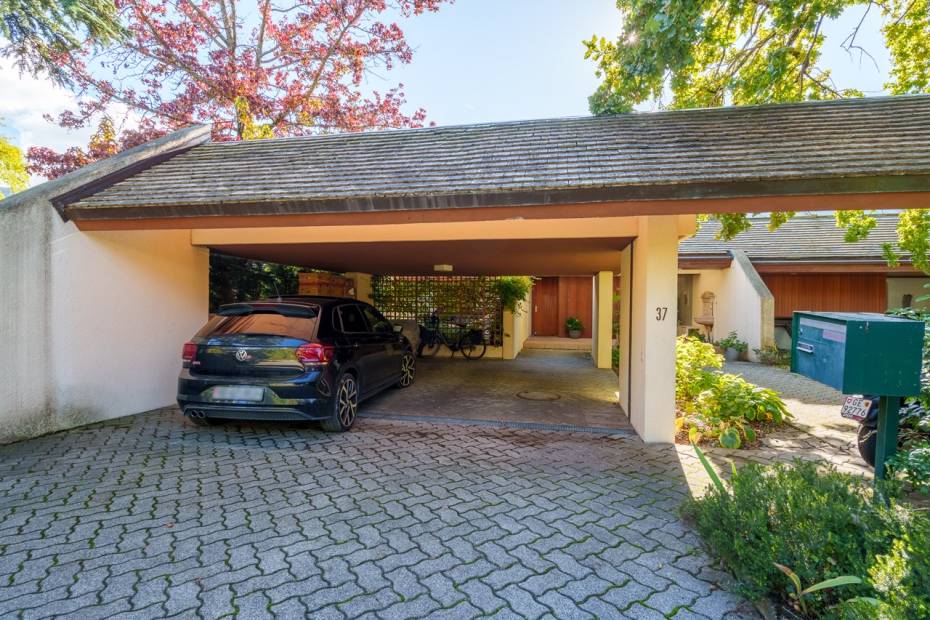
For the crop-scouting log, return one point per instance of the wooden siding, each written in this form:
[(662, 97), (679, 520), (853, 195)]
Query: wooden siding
[(575, 299), (557, 298), (851, 292)]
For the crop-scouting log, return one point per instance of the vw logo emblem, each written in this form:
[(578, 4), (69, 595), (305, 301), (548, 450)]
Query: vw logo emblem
[(242, 355)]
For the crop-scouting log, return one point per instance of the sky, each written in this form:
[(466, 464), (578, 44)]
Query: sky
[(474, 61)]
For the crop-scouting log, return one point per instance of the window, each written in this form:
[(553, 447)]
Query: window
[(259, 323), (378, 323), (352, 320)]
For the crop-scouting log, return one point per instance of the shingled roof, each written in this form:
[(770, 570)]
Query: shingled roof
[(858, 145), (804, 238)]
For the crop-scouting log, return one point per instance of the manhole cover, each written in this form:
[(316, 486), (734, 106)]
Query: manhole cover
[(538, 396)]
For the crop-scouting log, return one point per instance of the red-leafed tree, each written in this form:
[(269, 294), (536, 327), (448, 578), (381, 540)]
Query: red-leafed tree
[(289, 67)]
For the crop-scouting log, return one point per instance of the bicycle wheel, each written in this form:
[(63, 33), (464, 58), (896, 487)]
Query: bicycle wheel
[(473, 349), (430, 347)]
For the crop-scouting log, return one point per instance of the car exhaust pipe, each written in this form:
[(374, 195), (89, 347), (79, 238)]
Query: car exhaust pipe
[(199, 414)]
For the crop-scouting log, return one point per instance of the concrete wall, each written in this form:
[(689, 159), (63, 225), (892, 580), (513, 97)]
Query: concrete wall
[(898, 287), (743, 302), (25, 311), (94, 321)]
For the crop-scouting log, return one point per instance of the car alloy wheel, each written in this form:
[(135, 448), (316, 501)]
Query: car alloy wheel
[(347, 401), (408, 370)]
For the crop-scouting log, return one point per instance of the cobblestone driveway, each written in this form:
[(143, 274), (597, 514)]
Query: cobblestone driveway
[(152, 516)]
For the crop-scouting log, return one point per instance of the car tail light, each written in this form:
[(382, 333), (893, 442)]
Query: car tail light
[(189, 352), (315, 353)]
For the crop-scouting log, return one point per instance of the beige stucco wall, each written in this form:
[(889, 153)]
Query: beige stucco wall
[(602, 339), (743, 303), (898, 287), (95, 320), (653, 286), (516, 330)]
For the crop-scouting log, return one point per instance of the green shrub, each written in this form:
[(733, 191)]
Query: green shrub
[(716, 405), (822, 524), (770, 355), (912, 463), (573, 324), (901, 577), (728, 407), (512, 290), (732, 341), (695, 363)]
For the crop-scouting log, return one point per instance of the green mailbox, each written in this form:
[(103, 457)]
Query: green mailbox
[(859, 352), (862, 353)]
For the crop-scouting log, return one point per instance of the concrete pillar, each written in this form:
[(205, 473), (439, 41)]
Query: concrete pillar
[(602, 319), (362, 285), (653, 312), (623, 337)]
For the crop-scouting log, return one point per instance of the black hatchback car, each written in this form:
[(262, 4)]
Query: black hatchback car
[(292, 359)]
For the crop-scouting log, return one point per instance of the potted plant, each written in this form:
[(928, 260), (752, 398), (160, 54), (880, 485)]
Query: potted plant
[(574, 327), (732, 347)]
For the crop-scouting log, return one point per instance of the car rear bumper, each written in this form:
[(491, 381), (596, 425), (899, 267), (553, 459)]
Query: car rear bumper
[(295, 399)]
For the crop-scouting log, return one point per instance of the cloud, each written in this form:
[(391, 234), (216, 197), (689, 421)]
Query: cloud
[(25, 100)]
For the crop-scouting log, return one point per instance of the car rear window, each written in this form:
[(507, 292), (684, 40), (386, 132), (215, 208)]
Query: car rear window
[(259, 323)]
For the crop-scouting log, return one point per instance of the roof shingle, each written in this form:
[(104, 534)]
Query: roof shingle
[(813, 238), (588, 159)]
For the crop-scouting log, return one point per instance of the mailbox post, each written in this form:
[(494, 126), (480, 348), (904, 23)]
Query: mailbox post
[(862, 353)]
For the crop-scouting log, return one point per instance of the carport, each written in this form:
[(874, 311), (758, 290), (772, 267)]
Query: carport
[(105, 270)]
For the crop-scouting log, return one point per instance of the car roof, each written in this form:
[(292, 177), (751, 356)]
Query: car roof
[(316, 300)]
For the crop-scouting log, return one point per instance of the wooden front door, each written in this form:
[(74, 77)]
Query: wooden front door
[(575, 300), (546, 307)]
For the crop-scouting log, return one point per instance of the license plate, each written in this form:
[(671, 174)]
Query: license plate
[(856, 408), (240, 393)]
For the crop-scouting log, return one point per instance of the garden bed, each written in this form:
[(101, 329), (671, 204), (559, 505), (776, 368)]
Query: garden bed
[(718, 408)]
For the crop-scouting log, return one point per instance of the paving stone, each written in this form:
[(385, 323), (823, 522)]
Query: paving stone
[(150, 517)]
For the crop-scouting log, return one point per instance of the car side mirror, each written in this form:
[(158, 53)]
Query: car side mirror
[(398, 329)]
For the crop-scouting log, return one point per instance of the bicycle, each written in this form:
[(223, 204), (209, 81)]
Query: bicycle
[(469, 341)]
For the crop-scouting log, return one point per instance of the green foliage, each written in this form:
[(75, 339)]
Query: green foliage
[(513, 290), (716, 405), (573, 324), (709, 53), (912, 463), (732, 341), (801, 594), (771, 355), (824, 525), (37, 32), (729, 407), (901, 576), (695, 363), (12, 167), (235, 279)]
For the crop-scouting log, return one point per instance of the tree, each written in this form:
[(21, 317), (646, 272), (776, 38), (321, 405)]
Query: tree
[(283, 68), (12, 167), (40, 32), (717, 52)]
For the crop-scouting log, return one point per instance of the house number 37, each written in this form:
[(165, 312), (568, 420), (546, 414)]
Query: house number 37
[(661, 311)]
